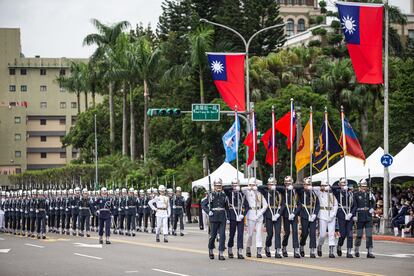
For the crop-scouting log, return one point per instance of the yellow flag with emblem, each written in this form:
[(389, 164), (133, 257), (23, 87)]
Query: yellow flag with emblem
[(305, 147)]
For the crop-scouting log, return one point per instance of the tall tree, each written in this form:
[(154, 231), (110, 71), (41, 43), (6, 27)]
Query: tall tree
[(75, 82)]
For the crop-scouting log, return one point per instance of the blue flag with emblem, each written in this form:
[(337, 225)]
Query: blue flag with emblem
[(321, 151), (231, 141)]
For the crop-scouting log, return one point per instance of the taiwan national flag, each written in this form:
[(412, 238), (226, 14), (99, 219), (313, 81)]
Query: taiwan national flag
[(228, 75), (362, 27), (352, 146)]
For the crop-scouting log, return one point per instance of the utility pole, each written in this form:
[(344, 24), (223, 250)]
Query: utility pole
[(96, 156)]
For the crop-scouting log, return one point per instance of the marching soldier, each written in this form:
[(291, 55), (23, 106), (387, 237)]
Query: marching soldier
[(41, 207), (131, 212), (147, 210), (122, 210), (161, 206), (116, 210), (178, 211), (327, 215), (272, 216), (152, 212), (68, 211), (215, 206), (257, 207), (85, 206), (308, 214), (25, 213), (290, 215), (344, 215), (32, 213), (141, 203), (103, 205), (363, 209), (235, 214), (75, 203), (58, 211)]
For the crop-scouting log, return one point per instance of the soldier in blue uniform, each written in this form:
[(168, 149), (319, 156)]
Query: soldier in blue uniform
[(235, 214), (68, 211), (178, 205), (85, 206), (272, 216), (51, 211), (216, 206), (103, 205), (131, 212), (41, 207), (115, 210), (32, 213), (363, 209), (345, 200), (309, 202), (58, 209), (147, 210), (122, 210), (140, 210), (75, 203), (25, 213)]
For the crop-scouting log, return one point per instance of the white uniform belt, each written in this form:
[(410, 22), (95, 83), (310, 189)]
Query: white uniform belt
[(218, 209)]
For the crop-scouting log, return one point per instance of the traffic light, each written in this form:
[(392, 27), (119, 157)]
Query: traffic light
[(163, 112)]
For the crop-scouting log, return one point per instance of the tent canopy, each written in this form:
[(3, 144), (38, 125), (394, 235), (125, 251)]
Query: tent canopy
[(226, 172), (403, 164)]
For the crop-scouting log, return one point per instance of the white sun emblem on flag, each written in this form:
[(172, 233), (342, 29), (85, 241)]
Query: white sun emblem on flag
[(348, 24), (217, 67)]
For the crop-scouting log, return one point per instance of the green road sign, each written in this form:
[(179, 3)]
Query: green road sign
[(205, 112)]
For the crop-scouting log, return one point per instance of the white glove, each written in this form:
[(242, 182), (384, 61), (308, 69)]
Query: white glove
[(273, 187), (275, 217), (348, 216), (371, 211), (240, 217), (37, 211), (210, 213), (47, 217), (327, 188), (290, 187), (97, 212), (355, 218), (227, 221), (312, 218), (291, 216)]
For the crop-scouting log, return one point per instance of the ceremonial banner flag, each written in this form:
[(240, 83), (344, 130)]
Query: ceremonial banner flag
[(270, 147), (251, 142), (305, 147), (362, 27), (349, 142), (321, 151), (230, 141), (227, 70), (287, 126)]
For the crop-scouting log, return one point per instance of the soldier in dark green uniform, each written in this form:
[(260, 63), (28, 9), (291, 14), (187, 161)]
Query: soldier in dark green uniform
[(363, 208), (216, 205)]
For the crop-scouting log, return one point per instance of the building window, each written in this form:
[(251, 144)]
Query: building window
[(74, 104), (301, 25), (74, 154), (62, 72), (63, 155), (23, 71), (43, 139), (12, 88), (411, 34), (23, 88), (12, 103), (290, 27), (12, 71), (43, 155), (17, 120), (18, 170), (43, 72), (17, 153), (17, 137), (43, 88), (43, 105), (62, 105), (62, 121)]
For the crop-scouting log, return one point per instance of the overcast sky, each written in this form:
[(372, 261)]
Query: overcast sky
[(56, 28)]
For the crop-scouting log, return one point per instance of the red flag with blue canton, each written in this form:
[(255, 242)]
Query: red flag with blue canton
[(268, 143), (362, 27), (283, 125), (227, 70), (352, 146)]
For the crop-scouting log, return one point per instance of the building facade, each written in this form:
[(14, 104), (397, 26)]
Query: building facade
[(35, 113)]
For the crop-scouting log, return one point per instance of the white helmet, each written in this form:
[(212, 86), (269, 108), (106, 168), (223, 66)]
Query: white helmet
[(161, 188), (131, 189), (77, 190), (235, 181), (141, 192), (117, 191), (252, 181), (124, 190), (104, 190), (288, 179), (70, 191), (148, 191), (178, 189), (271, 180), (84, 191), (218, 181), (363, 182), (40, 192)]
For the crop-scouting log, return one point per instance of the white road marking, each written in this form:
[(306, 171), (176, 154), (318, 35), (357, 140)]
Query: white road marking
[(34, 245), (87, 256), (1, 239), (132, 271), (78, 244), (5, 250), (169, 272), (399, 255)]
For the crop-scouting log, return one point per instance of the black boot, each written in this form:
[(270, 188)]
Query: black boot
[(302, 251), (284, 252), (267, 252), (157, 238), (339, 251), (248, 252), (370, 255), (100, 240), (107, 241), (230, 252), (357, 251), (320, 250), (211, 254), (331, 250), (349, 253)]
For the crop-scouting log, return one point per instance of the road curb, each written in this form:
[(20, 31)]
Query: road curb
[(393, 238)]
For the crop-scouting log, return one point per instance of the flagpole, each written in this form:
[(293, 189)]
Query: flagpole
[(327, 144), (254, 144), (237, 142), (310, 142), (344, 141), (290, 136), (273, 141)]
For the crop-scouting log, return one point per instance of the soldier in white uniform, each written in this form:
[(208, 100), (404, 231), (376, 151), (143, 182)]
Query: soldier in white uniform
[(161, 205), (2, 201), (327, 215), (257, 207)]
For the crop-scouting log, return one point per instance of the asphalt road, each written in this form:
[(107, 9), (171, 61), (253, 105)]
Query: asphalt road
[(141, 255)]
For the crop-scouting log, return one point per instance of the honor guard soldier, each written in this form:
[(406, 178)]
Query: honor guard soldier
[(68, 211), (131, 212), (75, 203), (103, 205), (257, 207), (63, 206), (363, 209), (25, 213), (290, 215), (152, 212), (52, 211), (327, 215), (85, 213), (41, 207), (310, 209), (345, 200), (2, 201), (272, 215), (178, 211), (141, 203), (32, 213), (235, 214), (215, 206), (147, 210), (160, 204), (18, 211), (58, 208)]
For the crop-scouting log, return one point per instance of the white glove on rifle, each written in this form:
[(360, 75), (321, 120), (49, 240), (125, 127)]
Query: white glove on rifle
[(291, 216), (312, 218), (348, 216), (227, 221), (371, 211), (240, 217), (275, 217), (210, 213), (290, 187)]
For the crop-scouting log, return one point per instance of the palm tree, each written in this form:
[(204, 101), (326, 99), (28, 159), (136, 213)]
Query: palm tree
[(75, 82), (105, 39)]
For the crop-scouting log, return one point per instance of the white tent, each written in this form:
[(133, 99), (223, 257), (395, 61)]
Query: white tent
[(403, 162), (355, 168), (226, 172)]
